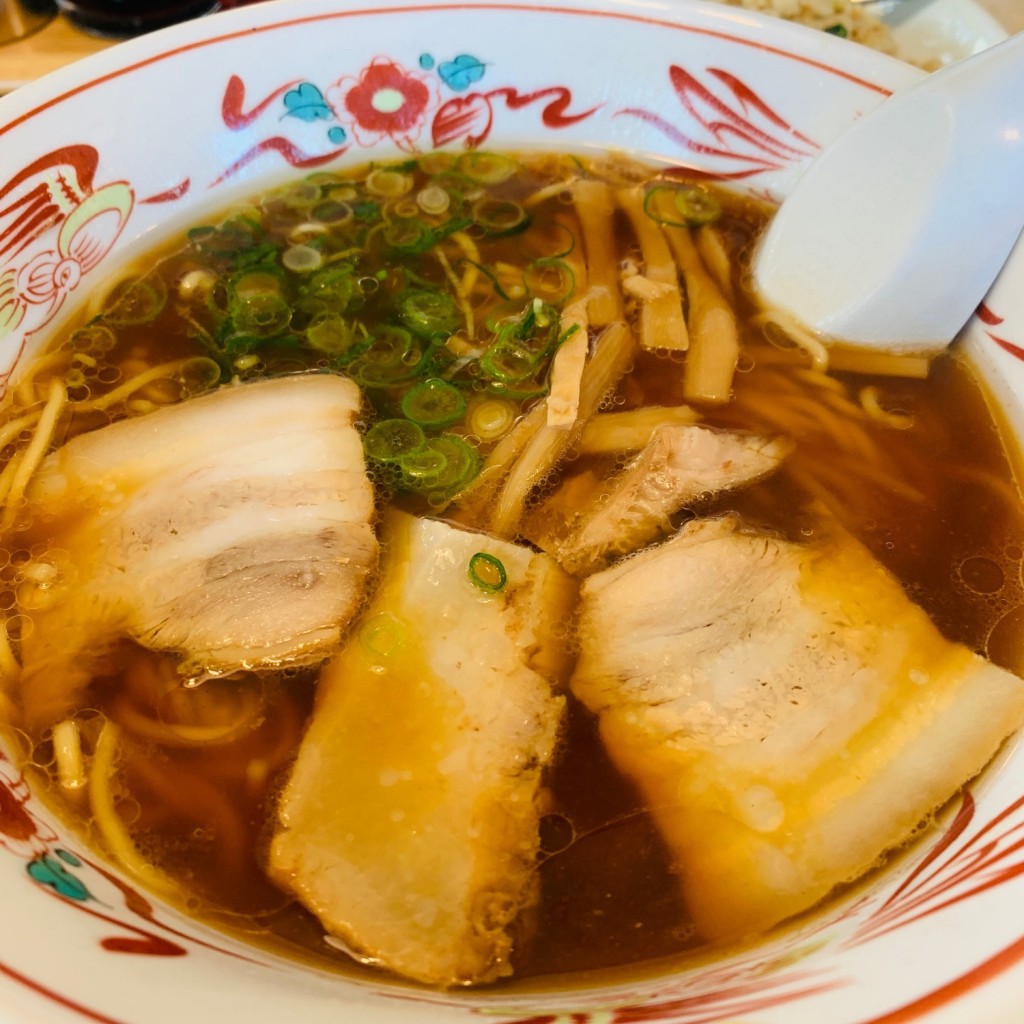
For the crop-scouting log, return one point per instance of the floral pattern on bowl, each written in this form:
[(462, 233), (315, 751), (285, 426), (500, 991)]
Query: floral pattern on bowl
[(106, 157)]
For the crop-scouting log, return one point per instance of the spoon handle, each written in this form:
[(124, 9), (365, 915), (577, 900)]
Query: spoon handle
[(894, 233)]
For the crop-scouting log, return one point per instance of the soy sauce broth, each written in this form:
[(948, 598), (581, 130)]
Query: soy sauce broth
[(928, 488)]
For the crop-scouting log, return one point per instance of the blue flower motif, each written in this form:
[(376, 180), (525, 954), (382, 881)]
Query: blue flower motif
[(459, 74), (307, 103), (49, 871)]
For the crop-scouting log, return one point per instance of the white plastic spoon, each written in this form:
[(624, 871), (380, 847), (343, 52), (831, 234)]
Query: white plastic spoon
[(894, 233)]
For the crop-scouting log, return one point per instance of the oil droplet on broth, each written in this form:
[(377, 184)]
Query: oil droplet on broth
[(982, 575), (1003, 646)]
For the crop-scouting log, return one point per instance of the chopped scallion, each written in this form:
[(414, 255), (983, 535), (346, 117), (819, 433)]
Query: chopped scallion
[(388, 183), (393, 440), (424, 467), (486, 168), (433, 403), (486, 573), (330, 290), (302, 259), (334, 336), (333, 212), (500, 217), (259, 311), (681, 206), (551, 280), (408, 235), (138, 301), (441, 469), (433, 200), (429, 313), (491, 418), (303, 194), (382, 635)]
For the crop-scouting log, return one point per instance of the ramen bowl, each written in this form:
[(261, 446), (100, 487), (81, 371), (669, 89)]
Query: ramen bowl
[(104, 159)]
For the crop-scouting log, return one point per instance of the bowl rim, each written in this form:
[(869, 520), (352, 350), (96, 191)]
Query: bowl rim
[(117, 64)]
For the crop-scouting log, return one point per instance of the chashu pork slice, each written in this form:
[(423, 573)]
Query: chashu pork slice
[(681, 465), (409, 823), (788, 712), (234, 528)]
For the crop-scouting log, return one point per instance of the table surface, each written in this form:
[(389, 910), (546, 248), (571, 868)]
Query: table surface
[(1010, 13), (58, 43)]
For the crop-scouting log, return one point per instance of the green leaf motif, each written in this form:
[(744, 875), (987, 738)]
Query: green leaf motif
[(49, 871)]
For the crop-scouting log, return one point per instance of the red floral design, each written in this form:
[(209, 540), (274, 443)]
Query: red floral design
[(470, 117), (732, 131), (962, 864), (384, 101), (990, 319), (21, 832), (55, 227)]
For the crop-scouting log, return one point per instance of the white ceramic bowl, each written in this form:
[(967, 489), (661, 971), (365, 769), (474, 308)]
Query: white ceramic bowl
[(158, 131)]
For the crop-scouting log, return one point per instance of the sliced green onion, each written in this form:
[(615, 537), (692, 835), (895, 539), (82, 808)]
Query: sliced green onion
[(137, 301), (412, 237), (520, 346), (486, 573), (382, 635), (388, 183), (255, 304), (499, 217), (442, 468), (367, 211), (199, 282), (306, 231), (234, 342), (333, 212), (302, 259), (838, 30), (519, 391), (393, 440), (492, 277), (262, 315), (249, 361), (408, 235), (369, 374), (436, 162), (551, 240), (198, 375), (457, 187), (406, 208), (433, 200), (425, 467), (681, 206), (330, 289), (390, 346), (235, 240), (508, 362), (433, 403), (550, 280), (492, 418), (430, 314), (301, 195), (487, 168), (335, 336), (94, 337), (391, 358), (253, 283)]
